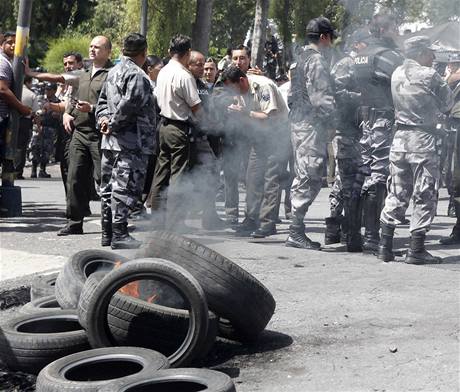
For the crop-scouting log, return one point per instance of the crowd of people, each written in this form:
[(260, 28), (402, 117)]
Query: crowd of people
[(153, 133)]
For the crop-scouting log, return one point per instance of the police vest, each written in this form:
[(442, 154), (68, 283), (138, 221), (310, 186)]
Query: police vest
[(298, 99), (375, 89)]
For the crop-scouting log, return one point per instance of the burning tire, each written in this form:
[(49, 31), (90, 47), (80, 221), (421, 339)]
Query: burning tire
[(71, 279), (43, 286), (99, 301), (133, 322), (232, 292), (175, 380), (43, 304), (130, 319), (30, 342), (87, 371)]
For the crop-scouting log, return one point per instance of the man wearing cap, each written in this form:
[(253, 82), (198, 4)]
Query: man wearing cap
[(312, 104), (374, 66), (126, 117), (420, 96), (346, 192)]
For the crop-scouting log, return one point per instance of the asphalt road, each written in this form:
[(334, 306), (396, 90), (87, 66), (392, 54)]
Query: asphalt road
[(344, 322)]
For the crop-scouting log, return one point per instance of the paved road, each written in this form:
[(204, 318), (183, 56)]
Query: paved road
[(339, 316)]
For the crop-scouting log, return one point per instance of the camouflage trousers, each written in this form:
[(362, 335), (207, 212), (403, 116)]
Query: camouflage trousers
[(416, 176), (309, 146), (42, 145), (375, 151), (350, 173), (122, 181)]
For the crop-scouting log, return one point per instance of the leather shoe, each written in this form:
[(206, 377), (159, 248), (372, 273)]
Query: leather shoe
[(262, 233), (70, 230)]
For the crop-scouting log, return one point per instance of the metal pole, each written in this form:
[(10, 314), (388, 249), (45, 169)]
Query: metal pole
[(11, 195), (144, 9)]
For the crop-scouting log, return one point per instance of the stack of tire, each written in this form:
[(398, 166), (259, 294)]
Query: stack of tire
[(54, 333)]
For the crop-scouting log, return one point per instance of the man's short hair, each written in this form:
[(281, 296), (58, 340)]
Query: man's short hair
[(180, 45), (242, 47), (78, 56), (8, 34), (152, 60), (134, 44), (233, 74), (211, 60)]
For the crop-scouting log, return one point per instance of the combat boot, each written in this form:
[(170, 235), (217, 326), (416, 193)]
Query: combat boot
[(106, 224), (451, 208), (333, 233), (373, 204), (297, 237), (42, 173), (33, 173), (386, 243), (353, 213), (454, 237), (121, 238), (417, 254)]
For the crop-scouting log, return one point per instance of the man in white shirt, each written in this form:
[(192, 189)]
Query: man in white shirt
[(178, 100)]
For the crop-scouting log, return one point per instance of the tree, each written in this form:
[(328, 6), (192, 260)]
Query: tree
[(202, 26), (259, 36)]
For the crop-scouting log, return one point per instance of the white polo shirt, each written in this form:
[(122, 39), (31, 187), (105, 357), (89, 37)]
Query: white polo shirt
[(176, 91)]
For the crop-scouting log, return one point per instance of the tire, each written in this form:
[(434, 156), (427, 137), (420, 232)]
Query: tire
[(72, 277), (232, 292), (132, 321), (97, 310), (43, 304), (30, 342), (87, 371), (43, 286), (173, 380)]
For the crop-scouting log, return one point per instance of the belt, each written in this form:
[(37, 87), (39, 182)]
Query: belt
[(407, 127), (177, 123)]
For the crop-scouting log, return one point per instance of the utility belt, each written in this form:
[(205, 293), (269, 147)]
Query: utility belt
[(368, 115), (434, 130)]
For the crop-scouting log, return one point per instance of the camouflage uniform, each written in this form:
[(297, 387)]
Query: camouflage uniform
[(312, 105), (374, 66), (419, 95), (127, 101)]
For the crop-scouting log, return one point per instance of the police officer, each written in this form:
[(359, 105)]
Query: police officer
[(126, 117), (42, 143), (454, 118), (420, 95), (374, 66), (346, 191), (311, 100)]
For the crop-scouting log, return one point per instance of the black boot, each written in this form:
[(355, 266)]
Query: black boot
[(106, 224), (353, 213), (332, 233), (417, 254), (386, 243), (454, 237), (451, 208), (373, 204), (42, 173), (297, 237), (33, 173), (121, 238)]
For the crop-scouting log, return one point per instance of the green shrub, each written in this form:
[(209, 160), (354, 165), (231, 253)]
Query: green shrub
[(59, 46)]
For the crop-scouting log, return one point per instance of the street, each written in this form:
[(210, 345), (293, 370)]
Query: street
[(343, 322)]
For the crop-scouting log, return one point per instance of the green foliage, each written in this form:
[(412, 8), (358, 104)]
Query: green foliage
[(57, 48)]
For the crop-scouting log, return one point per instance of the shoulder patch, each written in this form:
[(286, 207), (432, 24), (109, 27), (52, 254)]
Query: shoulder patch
[(265, 97)]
